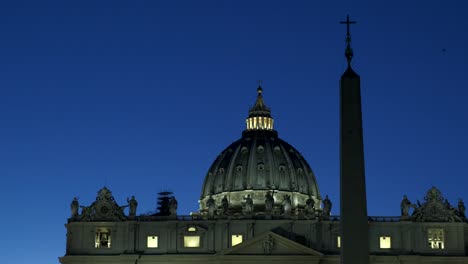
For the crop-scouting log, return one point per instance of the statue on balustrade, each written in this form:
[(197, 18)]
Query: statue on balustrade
[(269, 202), (132, 203), (74, 207), (461, 209), (405, 206), (248, 205), (287, 207), (173, 206), (211, 204), (225, 205), (327, 206), (310, 206)]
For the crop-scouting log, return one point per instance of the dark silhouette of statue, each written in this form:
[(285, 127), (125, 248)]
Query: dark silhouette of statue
[(74, 207), (132, 203), (287, 205), (405, 206), (327, 206), (461, 208), (173, 206), (211, 204), (269, 202), (248, 205), (225, 205), (310, 206)]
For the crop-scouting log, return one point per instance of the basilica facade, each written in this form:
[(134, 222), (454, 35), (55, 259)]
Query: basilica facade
[(260, 203)]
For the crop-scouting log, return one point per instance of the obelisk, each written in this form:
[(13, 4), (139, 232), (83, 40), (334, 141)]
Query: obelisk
[(353, 205)]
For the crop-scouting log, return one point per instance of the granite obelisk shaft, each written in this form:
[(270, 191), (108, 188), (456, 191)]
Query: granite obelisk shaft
[(354, 224)]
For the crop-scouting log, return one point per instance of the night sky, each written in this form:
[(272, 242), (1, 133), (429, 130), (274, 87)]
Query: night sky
[(141, 97)]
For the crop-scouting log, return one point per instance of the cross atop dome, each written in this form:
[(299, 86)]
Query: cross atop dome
[(349, 51), (259, 114)]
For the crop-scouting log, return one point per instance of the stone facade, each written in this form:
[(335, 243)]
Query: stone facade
[(272, 220), (298, 240)]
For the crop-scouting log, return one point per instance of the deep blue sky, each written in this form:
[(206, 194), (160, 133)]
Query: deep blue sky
[(142, 97)]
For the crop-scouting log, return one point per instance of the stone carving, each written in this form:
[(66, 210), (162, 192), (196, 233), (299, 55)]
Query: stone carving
[(327, 206), (132, 203), (248, 205), (103, 209), (86, 212), (310, 206), (268, 244), (269, 202), (74, 207), (405, 205), (211, 205), (225, 205), (435, 209), (173, 206), (287, 205)]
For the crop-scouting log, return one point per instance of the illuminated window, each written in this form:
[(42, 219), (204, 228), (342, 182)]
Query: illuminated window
[(435, 238), (102, 238), (236, 239), (385, 242), (259, 123), (338, 241), (191, 241), (152, 242), (192, 229)]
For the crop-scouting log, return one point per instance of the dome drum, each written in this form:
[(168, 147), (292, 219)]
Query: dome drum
[(237, 201)]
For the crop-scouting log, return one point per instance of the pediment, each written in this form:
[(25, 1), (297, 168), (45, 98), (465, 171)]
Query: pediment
[(270, 243)]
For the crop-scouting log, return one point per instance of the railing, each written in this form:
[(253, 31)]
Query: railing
[(384, 218), (197, 217)]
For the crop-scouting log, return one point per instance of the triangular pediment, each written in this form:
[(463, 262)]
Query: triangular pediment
[(270, 243)]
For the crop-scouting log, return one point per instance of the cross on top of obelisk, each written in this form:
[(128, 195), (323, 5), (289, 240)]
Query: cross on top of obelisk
[(349, 51)]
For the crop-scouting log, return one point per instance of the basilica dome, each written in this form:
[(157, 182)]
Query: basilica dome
[(257, 164)]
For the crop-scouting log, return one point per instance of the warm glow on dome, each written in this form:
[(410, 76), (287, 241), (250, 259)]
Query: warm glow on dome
[(259, 123)]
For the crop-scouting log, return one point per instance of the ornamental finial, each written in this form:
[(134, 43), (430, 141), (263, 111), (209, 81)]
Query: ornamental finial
[(349, 51)]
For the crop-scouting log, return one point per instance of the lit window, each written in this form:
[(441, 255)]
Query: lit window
[(385, 242), (102, 238), (338, 241), (191, 241), (236, 239), (435, 238), (152, 242), (192, 229)]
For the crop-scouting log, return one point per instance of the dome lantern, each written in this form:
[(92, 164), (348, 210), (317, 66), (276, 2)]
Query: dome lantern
[(259, 114)]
